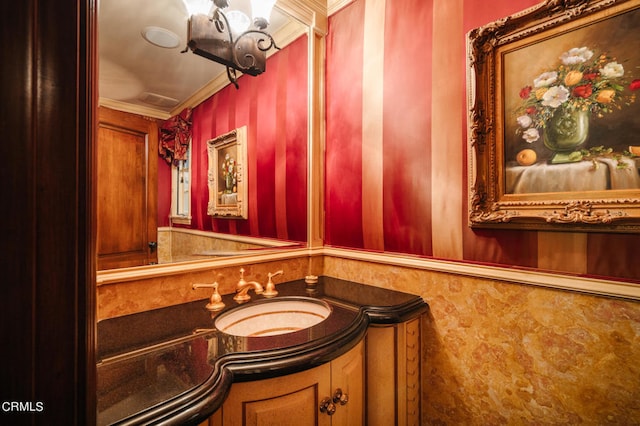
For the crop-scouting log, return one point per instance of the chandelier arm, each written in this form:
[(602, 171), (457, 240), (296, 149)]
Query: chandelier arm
[(222, 25), (248, 57), (261, 46), (231, 75)]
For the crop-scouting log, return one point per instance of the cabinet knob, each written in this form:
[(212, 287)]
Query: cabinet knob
[(339, 397), (327, 406)]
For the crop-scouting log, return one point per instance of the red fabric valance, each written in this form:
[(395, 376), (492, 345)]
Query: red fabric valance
[(175, 136)]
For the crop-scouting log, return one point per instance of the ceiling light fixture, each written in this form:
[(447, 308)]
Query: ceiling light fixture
[(160, 37), (238, 21), (213, 36)]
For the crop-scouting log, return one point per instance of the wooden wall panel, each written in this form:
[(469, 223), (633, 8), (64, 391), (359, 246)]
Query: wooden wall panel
[(48, 268)]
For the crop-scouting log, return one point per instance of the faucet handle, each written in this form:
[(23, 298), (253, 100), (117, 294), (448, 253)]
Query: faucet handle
[(275, 273), (215, 301), (270, 288), (242, 281)]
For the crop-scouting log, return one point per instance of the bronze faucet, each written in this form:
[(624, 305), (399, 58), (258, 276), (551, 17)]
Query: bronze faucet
[(243, 287)]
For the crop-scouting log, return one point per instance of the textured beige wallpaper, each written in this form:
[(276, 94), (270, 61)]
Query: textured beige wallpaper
[(497, 353)]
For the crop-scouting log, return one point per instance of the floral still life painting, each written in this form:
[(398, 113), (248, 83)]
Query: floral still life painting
[(571, 119), (554, 118), (561, 101)]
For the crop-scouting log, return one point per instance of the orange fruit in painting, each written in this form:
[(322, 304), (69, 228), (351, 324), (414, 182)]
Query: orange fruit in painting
[(635, 150), (526, 157)]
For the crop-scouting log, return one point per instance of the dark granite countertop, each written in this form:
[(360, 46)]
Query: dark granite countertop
[(171, 366)]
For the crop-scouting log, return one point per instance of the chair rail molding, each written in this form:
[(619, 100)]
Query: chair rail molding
[(597, 286)]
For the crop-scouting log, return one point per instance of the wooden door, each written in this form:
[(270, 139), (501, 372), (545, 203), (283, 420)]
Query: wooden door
[(126, 190)]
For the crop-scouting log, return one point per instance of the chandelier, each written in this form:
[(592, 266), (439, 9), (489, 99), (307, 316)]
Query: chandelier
[(229, 39)]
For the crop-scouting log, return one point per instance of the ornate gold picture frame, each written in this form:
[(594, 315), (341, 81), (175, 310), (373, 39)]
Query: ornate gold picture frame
[(227, 156), (554, 123)]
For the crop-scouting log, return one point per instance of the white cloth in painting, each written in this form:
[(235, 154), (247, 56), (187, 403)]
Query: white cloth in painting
[(572, 177)]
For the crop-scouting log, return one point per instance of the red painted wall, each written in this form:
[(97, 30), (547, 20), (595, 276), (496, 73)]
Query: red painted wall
[(407, 146), (343, 159), (273, 106), (406, 123)]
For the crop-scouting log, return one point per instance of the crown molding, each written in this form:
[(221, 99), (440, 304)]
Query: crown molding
[(134, 109), (335, 5)]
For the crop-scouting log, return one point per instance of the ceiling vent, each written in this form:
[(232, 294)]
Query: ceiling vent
[(158, 100)]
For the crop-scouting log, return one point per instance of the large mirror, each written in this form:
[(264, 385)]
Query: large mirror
[(144, 73)]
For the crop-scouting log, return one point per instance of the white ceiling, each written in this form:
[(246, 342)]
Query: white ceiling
[(137, 75)]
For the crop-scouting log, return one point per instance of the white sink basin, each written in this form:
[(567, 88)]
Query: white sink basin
[(269, 318)]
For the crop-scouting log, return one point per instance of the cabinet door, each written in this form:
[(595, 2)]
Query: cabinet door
[(294, 400), (347, 374), (282, 401)]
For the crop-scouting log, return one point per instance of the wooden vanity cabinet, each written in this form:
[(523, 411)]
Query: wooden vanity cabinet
[(295, 399), (381, 376)]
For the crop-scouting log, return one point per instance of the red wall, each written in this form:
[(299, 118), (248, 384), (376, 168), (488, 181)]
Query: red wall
[(273, 106), (405, 191), (405, 225)]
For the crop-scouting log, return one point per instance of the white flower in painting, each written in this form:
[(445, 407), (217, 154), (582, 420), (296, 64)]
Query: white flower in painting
[(545, 79), (577, 55), (555, 96), (524, 121), (531, 135), (612, 70)]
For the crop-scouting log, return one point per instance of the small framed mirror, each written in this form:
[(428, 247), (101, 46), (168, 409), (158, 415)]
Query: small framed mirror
[(227, 174)]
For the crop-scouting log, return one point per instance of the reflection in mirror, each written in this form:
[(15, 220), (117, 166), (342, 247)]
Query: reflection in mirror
[(157, 82), (227, 165)]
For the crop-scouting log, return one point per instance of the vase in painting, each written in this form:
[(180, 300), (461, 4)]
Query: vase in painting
[(565, 132)]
